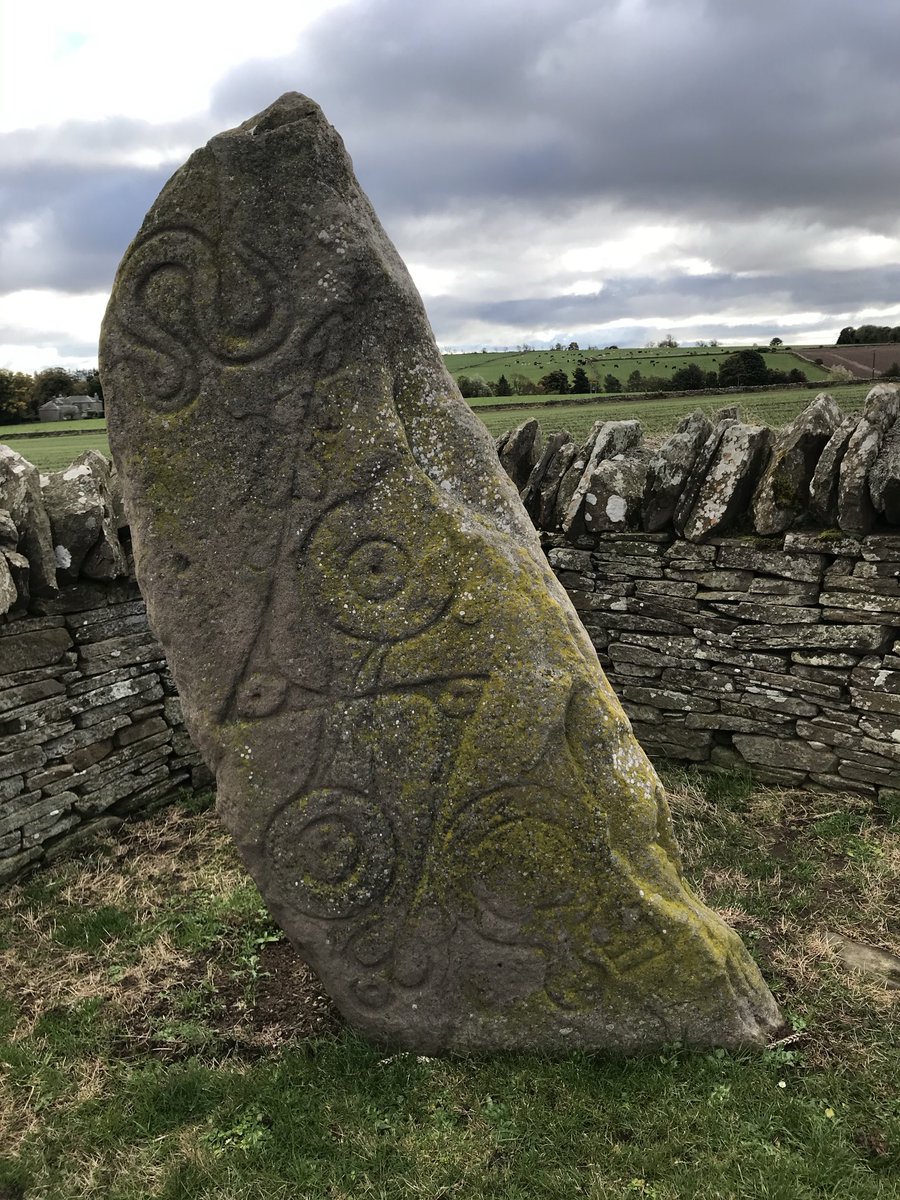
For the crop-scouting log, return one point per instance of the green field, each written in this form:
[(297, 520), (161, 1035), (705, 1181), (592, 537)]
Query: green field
[(55, 453), (659, 415), (160, 1039), (534, 364)]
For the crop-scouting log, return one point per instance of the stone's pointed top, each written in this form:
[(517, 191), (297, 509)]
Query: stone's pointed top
[(415, 748)]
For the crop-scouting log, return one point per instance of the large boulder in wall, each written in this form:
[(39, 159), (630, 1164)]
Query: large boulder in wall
[(415, 748)]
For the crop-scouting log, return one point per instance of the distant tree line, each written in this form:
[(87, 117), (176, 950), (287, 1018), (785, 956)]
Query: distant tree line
[(743, 368), (21, 395), (867, 334)]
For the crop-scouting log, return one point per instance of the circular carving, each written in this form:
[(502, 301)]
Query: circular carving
[(376, 569), (374, 584), (332, 852)]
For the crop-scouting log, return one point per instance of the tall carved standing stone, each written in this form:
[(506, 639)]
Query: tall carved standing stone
[(415, 748)]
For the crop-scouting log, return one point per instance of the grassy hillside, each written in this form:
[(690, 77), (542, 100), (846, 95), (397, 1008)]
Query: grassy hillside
[(534, 364)]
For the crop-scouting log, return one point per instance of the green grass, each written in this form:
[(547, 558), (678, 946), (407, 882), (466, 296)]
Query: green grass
[(660, 415), (56, 453), (597, 363), (159, 1039)]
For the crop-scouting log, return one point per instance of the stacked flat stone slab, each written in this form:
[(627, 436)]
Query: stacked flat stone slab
[(708, 479), (780, 653), (90, 725), (414, 744)]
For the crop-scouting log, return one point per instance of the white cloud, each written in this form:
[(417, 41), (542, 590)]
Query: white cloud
[(156, 62)]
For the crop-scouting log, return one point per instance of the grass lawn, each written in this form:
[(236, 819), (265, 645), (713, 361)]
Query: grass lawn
[(158, 1038), (55, 453)]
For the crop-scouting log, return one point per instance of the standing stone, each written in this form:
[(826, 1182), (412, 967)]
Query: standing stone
[(884, 477), (8, 590), (556, 470), (613, 501), (530, 494), (20, 495), (612, 438), (670, 469), (520, 451), (82, 520), (725, 492), (700, 470), (824, 485), (856, 513), (415, 748), (782, 495)]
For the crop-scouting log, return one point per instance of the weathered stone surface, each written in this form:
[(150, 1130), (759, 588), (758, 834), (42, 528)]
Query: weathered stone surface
[(415, 747), (20, 495), (9, 535), (612, 438), (530, 494), (519, 451), (725, 492), (825, 483), (557, 468), (613, 499), (79, 506), (856, 513), (701, 468), (783, 752), (884, 477), (782, 494), (670, 469), (20, 574), (38, 648), (8, 590)]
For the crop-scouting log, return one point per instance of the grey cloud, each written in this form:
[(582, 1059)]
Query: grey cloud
[(696, 105), (79, 221), (682, 296)]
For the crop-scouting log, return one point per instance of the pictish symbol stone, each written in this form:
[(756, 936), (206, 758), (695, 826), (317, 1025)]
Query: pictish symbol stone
[(415, 748)]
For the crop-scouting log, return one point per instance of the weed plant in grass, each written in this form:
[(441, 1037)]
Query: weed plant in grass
[(158, 1038)]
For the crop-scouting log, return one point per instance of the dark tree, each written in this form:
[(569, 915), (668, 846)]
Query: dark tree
[(581, 385), (743, 368), (15, 395), (555, 383), (795, 375), (611, 383), (775, 343), (634, 382), (473, 385), (49, 384), (690, 378), (502, 387)]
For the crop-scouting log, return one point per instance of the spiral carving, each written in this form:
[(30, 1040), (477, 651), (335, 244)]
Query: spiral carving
[(333, 852)]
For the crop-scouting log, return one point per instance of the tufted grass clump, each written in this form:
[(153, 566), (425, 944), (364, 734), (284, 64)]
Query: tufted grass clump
[(158, 1038)]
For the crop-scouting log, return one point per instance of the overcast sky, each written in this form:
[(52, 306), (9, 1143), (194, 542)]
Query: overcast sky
[(597, 170)]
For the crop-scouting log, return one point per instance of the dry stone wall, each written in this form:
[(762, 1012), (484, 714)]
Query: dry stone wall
[(781, 653), (741, 585), (90, 722), (742, 589)]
